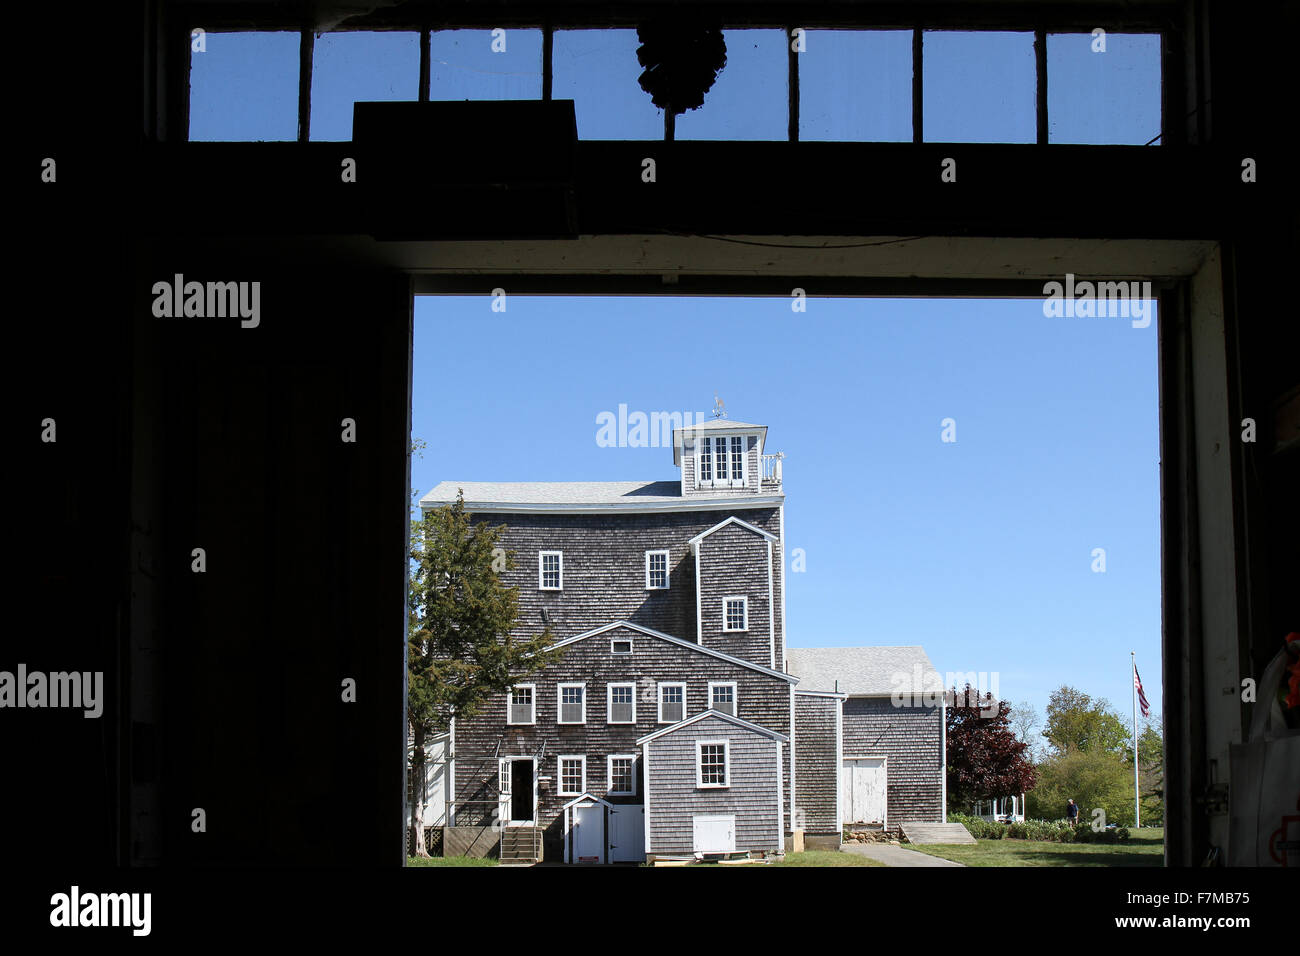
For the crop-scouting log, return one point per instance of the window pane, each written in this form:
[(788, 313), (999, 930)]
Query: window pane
[(464, 66), (1101, 98), (348, 67), (980, 88), (749, 98), (244, 88), (856, 86), (598, 70)]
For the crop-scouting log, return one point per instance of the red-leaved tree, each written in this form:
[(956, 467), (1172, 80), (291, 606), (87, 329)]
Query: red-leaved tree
[(985, 759)]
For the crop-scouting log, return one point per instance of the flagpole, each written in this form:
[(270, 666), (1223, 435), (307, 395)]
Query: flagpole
[(1137, 803)]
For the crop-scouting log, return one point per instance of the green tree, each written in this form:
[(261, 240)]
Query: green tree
[(461, 649), (1076, 721), (1095, 779)]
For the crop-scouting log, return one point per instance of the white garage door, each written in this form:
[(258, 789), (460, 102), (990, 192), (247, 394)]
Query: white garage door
[(863, 785), (714, 833)]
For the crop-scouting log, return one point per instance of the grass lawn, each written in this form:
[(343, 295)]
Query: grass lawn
[(826, 858), (1146, 848), (451, 861)]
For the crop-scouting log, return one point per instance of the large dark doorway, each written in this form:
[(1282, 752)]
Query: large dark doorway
[(521, 790)]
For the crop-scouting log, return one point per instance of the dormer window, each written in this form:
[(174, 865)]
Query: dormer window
[(721, 462)]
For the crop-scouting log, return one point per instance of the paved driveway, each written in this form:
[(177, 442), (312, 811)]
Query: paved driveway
[(895, 855)]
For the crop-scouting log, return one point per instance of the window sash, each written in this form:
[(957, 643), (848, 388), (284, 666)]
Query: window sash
[(656, 570), (520, 702), (573, 704), (712, 764), (735, 614), (573, 775), (722, 698), (550, 570), (671, 711), (622, 711), (622, 775)]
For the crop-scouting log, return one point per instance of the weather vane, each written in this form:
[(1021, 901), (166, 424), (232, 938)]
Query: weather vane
[(719, 407)]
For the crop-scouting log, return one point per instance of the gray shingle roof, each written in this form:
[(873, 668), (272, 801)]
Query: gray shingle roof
[(721, 423), (863, 670), (555, 492)]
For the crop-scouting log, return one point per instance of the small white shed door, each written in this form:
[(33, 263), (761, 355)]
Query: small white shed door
[(627, 834), (714, 833), (863, 785), (589, 833)]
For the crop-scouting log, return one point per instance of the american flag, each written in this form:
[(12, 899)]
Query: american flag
[(1142, 697)]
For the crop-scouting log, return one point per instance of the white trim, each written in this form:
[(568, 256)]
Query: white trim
[(750, 665), (559, 703), (631, 646), (667, 573), (742, 724), (733, 520), (609, 775), (541, 576), (794, 722), (609, 702), (451, 794), (943, 758), (645, 796), (837, 694), (726, 764), (699, 604), (780, 801), (785, 635), (659, 700), (703, 503), (771, 617), (559, 775), (735, 696), (839, 763), (745, 606), (510, 693), (512, 759)]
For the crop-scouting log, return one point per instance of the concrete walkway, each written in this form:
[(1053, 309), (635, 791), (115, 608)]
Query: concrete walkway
[(891, 855)]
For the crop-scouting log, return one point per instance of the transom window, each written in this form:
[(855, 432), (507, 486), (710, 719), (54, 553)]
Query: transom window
[(711, 765), (550, 570), (520, 708), (622, 703), (656, 570), (735, 614), (573, 704), (672, 703), (722, 697), (573, 775), (622, 774)]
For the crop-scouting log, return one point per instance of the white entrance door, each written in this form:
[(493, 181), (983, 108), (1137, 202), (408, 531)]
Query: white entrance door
[(714, 833), (503, 790), (863, 790), (627, 834), (588, 833)]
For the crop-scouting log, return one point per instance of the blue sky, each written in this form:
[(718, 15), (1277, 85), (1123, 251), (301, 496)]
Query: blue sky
[(980, 550)]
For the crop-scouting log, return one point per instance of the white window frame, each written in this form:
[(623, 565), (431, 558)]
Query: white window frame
[(735, 695), (559, 775), (707, 446), (667, 573), (559, 703), (659, 699), (609, 775), (744, 599), (699, 764), (541, 570), (609, 702), (532, 688), (621, 640)]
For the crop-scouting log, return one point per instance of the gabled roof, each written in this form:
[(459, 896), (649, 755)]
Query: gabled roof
[(742, 724), (733, 520), (679, 642), (587, 797), (864, 671), (715, 425), (512, 497)]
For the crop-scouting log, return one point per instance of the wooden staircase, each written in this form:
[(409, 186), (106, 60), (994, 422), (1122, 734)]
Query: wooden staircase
[(936, 833), (521, 845)]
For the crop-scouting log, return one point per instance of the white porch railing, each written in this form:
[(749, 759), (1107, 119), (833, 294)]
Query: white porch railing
[(770, 468)]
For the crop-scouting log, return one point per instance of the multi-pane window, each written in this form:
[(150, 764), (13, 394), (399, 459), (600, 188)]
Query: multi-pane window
[(722, 461), (622, 774), (573, 775), (720, 458), (672, 703), (656, 570), (573, 704), (711, 763), (735, 614), (520, 708), (622, 703), (550, 570), (722, 698), (706, 460), (737, 457)]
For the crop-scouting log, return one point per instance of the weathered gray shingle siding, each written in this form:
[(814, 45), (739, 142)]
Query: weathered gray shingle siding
[(762, 699), (734, 563), (676, 799), (911, 737), (817, 763)]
